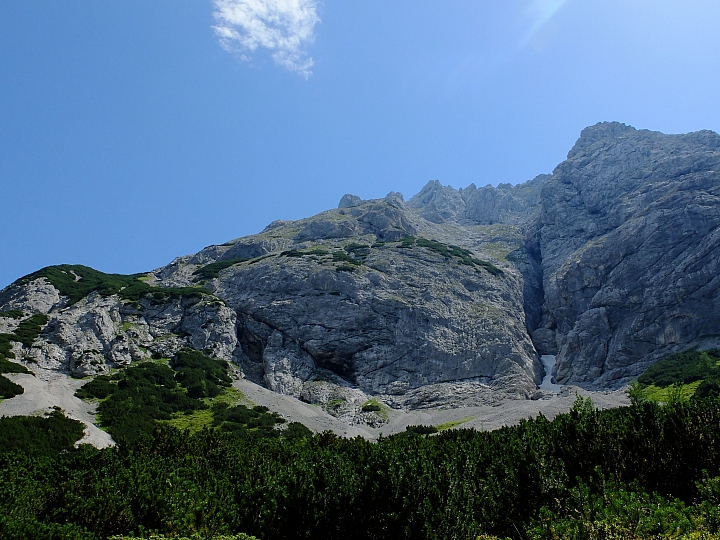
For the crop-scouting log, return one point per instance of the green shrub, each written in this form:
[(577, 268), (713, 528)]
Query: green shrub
[(6, 346), (200, 374), (421, 430), (30, 528), (627, 473), (12, 314), (296, 430), (46, 435), (679, 376), (144, 393), (212, 270), (359, 251), (100, 387), (293, 253), (684, 368), (9, 389), (12, 367), (407, 242), (131, 288), (29, 329), (462, 255), (339, 256), (246, 422)]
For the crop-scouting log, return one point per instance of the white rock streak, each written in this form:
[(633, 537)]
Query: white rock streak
[(284, 27)]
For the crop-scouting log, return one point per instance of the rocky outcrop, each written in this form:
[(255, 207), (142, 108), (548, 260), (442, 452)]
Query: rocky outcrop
[(98, 333)]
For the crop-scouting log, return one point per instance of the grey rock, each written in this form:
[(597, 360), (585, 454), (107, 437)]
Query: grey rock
[(99, 333), (630, 243), (348, 201)]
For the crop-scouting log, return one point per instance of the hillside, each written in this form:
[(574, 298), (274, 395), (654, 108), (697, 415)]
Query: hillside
[(446, 300)]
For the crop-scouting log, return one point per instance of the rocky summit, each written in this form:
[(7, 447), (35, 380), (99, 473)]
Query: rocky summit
[(610, 263)]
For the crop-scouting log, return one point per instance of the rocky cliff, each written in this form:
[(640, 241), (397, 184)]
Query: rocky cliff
[(630, 246), (449, 298)]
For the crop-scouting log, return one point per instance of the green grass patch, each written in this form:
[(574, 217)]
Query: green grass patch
[(453, 423), (212, 270), (77, 281), (333, 403), (371, 405), (193, 421), (668, 394)]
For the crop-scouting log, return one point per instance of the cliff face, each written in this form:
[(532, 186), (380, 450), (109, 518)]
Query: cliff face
[(611, 262), (373, 297), (628, 232)]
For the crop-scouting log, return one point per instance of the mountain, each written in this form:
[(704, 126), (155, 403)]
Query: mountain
[(610, 263)]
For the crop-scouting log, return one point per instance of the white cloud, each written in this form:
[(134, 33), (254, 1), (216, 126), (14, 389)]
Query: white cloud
[(283, 27)]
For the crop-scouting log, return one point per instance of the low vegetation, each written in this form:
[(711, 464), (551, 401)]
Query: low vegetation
[(77, 281), (680, 376), (9, 389), (212, 270), (355, 254), (39, 435), (450, 252), (644, 471), (12, 314), (188, 393), (29, 329), (26, 333), (453, 423)]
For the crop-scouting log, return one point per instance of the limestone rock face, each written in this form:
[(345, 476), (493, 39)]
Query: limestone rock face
[(98, 333), (630, 241), (404, 318)]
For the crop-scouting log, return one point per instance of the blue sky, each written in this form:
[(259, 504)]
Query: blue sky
[(133, 132)]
